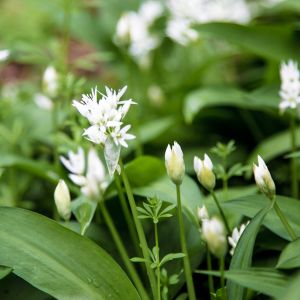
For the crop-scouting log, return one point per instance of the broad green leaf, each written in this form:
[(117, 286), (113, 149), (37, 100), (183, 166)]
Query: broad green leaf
[(274, 146), (269, 41), (57, 260), (242, 256), (292, 291), (148, 178), (4, 271), (270, 282), (248, 206), (290, 256), (84, 210), (260, 99)]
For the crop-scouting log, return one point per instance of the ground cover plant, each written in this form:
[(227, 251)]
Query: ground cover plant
[(149, 149)]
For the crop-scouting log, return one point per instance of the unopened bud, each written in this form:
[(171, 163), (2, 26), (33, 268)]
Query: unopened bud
[(62, 200), (214, 234), (264, 179), (175, 163), (202, 213), (205, 175), (50, 81)]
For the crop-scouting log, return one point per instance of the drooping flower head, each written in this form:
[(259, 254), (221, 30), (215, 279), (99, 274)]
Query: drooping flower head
[(105, 116), (175, 163), (290, 85), (264, 179), (204, 172), (90, 177), (236, 234), (214, 234)]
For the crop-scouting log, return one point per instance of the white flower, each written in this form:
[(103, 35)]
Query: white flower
[(105, 116), (202, 213), (91, 178), (263, 178), (50, 81), (62, 200), (75, 162), (236, 234), (175, 163), (180, 31), (43, 101), (205, 175), (290, 85), (133, 29), (214, 234), (4, 54)]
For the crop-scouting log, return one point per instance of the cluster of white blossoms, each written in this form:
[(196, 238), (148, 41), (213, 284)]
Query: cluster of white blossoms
[(236, 234), (134, 29), (290, 85), (90, 175), (105, 116), (186, 13)]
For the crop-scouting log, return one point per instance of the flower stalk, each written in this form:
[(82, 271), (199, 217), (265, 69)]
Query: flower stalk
[(294, 171)]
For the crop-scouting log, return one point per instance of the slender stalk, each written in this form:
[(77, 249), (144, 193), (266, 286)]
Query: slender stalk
[(186, 260), (221, 211), (66, 37), (158, 261), (127, 215), (222, 267), (139, 229), (294, 171), (210, 278), (120, 246), (54, 115), (285, 222)]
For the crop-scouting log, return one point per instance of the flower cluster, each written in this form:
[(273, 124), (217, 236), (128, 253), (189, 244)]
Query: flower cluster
[(105, 116), (290, 85), (236, 234), (91, 178), (133, 29), (185, 13)]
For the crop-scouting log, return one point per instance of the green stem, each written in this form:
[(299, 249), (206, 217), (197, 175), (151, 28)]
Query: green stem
[(221, 211), (222, 267), (158, 261), (54, 129), (285, 222), (139, 229), (66, 38), (120, 246), (210, 278), (127, 215), (294, 171), (186, 260)]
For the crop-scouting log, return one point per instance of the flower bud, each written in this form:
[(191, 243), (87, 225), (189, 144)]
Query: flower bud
[(205, 175), (174, 163), (50, 81), (263, 178), (202, 213), (214, 234), (236, 234), (62, 200)]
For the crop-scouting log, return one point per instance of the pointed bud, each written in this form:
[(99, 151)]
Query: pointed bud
[(214, 234), (175, 163), (202, 213), (50, 81), (263, 178), (205, 175), (62, 200)]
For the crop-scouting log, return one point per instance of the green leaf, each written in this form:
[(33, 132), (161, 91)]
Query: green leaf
[(57, 260), (249, 205), (261, 99), (4, 271), (269, 41), (274, 146), (243, 252), (147, 175), (84, 210), (292, 291), (170, 257), (267, 281), (290, 256)]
